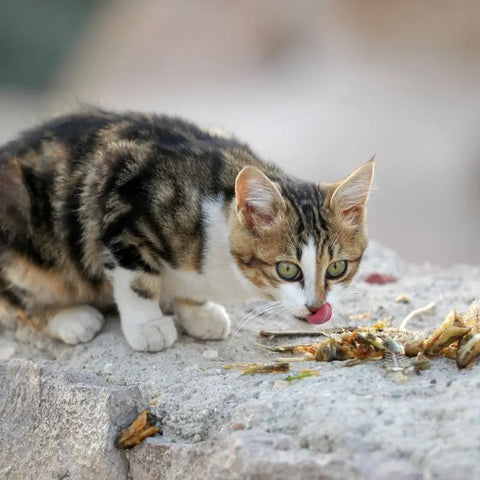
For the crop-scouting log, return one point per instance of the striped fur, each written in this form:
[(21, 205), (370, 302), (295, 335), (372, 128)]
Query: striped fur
[(85, 194)]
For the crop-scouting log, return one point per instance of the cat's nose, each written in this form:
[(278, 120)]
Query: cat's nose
[(313, 309)]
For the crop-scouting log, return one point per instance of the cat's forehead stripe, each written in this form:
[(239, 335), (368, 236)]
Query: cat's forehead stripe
[(307, 200), (309, 266)]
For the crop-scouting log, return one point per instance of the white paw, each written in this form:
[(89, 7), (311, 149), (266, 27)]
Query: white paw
[(75, 325), (209, 321), (151, 336)]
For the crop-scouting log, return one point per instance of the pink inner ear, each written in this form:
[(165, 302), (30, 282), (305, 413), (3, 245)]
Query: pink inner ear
[(355, 213), (254, 215)]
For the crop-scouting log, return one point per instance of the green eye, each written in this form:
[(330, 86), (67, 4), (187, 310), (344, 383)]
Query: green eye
[(289, 271), (337, 269)]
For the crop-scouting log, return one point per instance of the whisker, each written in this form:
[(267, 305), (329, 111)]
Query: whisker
[(252, 314), (280, 310), (287, 309), (267, 308), (270, 307)]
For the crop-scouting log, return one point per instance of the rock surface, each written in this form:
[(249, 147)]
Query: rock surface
[(62, 407)]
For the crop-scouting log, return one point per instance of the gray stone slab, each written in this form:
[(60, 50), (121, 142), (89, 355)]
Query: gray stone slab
[(61, 423)]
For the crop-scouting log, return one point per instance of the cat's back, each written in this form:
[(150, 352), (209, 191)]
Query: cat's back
[(81, 133), (48, 172), (67, 145), (84, 131)]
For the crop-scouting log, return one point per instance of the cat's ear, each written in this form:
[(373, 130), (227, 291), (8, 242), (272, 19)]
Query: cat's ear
[(258, 199), (350, 196)]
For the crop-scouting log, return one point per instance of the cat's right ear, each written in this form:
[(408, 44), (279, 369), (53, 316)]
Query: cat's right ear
[(258, 199)]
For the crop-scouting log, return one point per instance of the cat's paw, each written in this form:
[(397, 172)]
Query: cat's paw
[(209, 321), (75, 325), (151, 336)]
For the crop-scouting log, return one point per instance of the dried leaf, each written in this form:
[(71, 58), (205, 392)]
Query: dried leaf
[(468, 349), (472, 317), (303, 374), (451, 330), (273, 368), (142, 427)]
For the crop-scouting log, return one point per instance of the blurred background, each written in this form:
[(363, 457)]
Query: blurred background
[(317, 86)]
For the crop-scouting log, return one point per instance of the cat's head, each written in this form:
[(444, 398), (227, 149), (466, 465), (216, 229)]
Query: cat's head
[(295, 240)]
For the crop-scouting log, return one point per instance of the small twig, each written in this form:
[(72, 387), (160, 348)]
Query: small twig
[(279, 349), (415, 313), (285, 333), (302, 333), (305, 358)]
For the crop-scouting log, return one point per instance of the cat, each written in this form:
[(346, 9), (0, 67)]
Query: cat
[(102, 208)]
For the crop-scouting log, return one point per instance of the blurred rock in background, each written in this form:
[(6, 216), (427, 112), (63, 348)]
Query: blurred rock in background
[(318, 87)]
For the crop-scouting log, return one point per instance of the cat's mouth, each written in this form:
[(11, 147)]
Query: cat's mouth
[(322, 315)]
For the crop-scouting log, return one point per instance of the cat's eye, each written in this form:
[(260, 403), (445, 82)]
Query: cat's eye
[(337, 269), (289, 271)]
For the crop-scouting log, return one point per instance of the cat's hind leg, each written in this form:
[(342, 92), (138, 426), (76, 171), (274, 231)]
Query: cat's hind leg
[(73, 325), (206, 321), (11, 311), (53, 301)]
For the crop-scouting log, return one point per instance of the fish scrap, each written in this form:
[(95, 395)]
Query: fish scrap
[(458, 337)]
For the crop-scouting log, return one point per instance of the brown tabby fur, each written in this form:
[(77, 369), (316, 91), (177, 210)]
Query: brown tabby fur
[(82, 192)]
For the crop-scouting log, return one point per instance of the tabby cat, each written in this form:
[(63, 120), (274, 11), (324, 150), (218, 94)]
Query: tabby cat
[(100, 208)]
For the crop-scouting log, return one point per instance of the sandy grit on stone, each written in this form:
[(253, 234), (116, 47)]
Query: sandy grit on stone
[(62, 407)]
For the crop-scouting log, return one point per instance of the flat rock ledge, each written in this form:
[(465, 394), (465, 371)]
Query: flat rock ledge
[(62, 407)]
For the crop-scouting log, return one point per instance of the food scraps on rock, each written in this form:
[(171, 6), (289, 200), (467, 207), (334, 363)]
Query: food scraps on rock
[(458, 337)]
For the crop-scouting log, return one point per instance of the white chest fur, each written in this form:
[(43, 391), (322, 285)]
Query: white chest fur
[(221, 280)]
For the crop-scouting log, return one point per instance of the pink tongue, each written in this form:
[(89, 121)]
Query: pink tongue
[(324, 314)]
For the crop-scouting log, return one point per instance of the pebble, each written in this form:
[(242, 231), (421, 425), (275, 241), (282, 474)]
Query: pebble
[(210, 354), (108, 368)]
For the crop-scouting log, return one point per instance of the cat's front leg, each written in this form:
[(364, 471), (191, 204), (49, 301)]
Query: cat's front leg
[(206, 321), (137, 298)]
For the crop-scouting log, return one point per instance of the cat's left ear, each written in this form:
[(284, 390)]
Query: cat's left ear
[(351, 194), (259, 200)]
